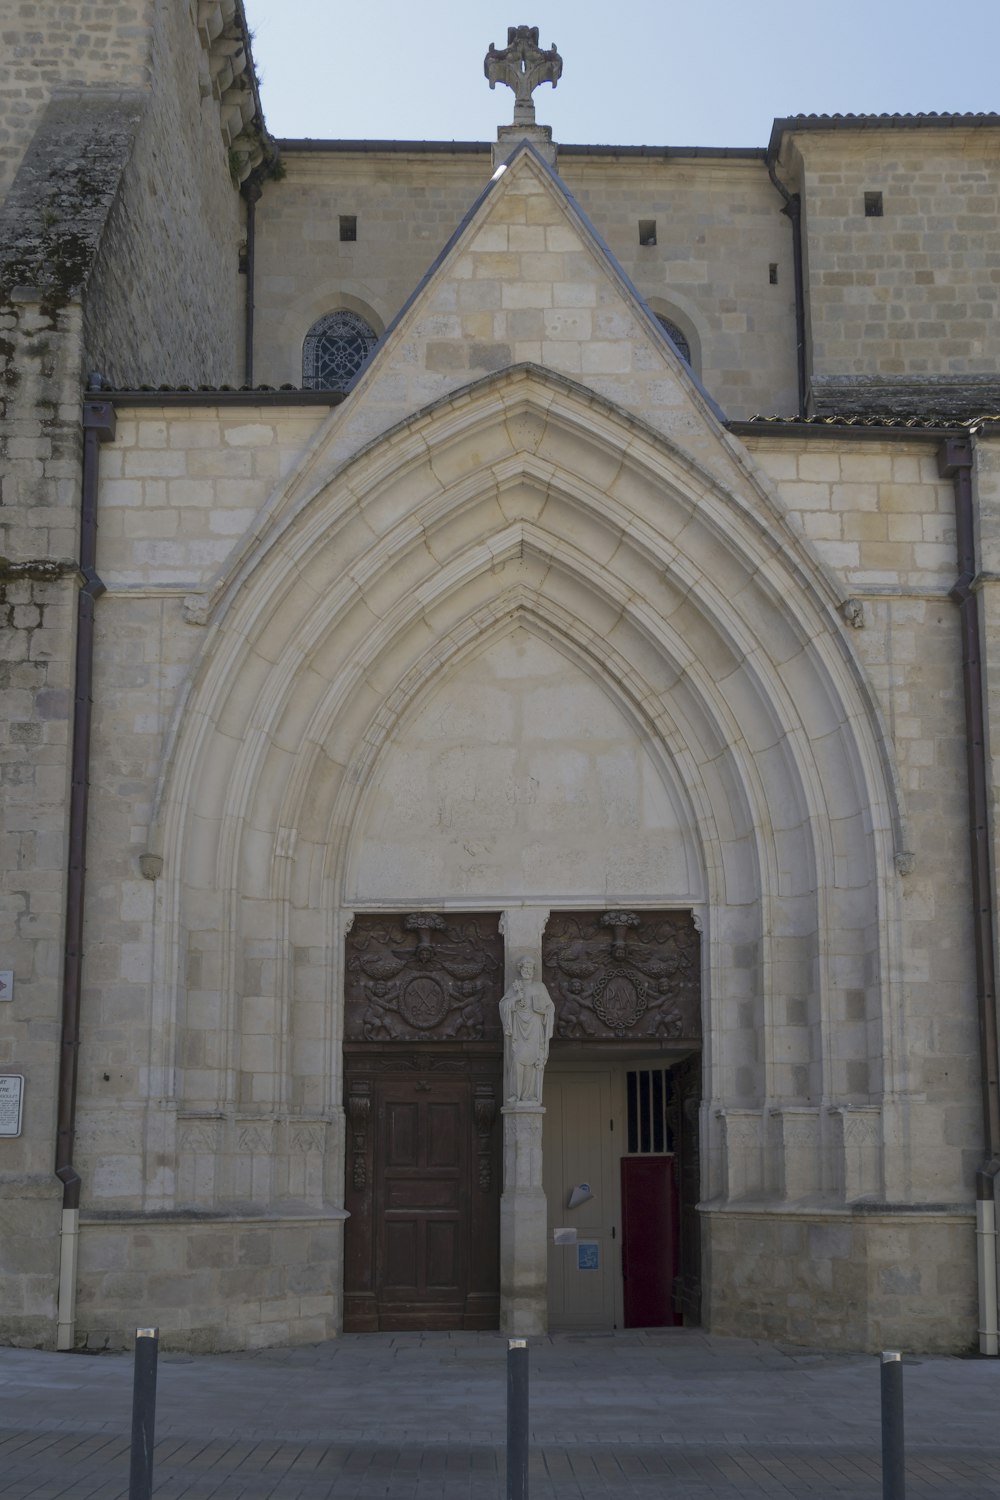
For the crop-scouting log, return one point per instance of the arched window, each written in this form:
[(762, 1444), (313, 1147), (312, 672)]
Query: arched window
[(683, 347), (334, 350)]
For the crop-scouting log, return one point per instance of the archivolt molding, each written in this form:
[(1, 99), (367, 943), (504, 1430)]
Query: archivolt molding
[(367, 634), (527, 404), (712, 632), (346, 557), (397, 494)]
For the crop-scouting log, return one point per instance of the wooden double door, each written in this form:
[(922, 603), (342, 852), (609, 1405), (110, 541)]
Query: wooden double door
[(422, 1242)]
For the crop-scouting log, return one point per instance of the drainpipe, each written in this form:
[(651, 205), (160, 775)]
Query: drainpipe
[(955, 463), (793, 209), (251, 192), (98, 427)]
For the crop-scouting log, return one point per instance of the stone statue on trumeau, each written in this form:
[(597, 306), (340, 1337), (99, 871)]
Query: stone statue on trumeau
[(522, 65), (528, 1017)]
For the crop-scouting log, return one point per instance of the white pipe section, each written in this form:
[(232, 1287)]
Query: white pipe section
[(986, 1265), (69, 1240)]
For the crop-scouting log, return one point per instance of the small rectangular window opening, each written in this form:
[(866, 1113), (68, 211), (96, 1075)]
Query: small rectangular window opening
[(873, 205), (649, 1110), (647, 231), (772, 273), (348, 227)]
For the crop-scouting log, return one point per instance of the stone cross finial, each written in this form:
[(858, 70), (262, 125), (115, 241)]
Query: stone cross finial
[(522, 65)]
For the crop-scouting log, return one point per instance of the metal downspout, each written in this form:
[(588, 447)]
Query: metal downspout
[(98, 427), (793, 209), (955, 463), (251, 193)]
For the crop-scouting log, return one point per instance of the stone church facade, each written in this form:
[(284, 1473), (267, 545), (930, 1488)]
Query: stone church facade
[(418, 557)]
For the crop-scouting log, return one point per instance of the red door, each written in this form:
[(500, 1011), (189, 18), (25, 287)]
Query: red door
[(649, 1241)]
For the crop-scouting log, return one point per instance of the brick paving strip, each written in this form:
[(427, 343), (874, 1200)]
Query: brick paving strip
[(664, 1414)]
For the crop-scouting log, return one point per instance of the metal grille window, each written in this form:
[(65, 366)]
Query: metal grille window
[(334, 350), (683, 347), (650, 1109)]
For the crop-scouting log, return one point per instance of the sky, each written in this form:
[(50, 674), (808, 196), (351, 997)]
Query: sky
[(635, 72)]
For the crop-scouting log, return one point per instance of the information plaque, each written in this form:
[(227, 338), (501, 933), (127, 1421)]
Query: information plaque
[(11, 1099)]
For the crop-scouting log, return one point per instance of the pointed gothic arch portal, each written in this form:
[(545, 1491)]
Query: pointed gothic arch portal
[(524, 654)]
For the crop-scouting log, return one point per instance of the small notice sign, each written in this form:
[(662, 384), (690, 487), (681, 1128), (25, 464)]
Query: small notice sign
[(588, 1256), (564, 1236), (11, 1098)]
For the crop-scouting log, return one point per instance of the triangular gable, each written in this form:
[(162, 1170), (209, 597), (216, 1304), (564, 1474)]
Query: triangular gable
[(527, 280)]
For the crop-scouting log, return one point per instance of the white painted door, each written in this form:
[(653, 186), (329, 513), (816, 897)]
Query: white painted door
[(578, 1147)]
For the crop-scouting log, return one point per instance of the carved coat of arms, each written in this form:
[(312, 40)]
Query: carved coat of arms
[(421, 977), (624, 974)]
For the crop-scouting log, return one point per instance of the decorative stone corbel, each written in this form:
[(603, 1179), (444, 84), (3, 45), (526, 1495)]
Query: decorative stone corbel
[(151, 866), (853, 611), (905, 860), (195, 609)]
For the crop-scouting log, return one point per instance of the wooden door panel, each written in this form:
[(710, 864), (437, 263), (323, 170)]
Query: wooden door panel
[(401, 1133), (443, 1257), (425, 1199), (445, 1126), (421, 1194), (400, 1257)]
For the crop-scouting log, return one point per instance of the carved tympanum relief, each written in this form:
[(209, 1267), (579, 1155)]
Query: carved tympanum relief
[(423, 978), (624, 974)]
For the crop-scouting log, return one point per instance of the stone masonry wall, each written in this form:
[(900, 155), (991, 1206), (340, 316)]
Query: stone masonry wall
[(869, 1281), (719, 229), (53, 223), (165, 301), (47, 44), (881, 517), (40, 465), (233, 1283), (902, 304)]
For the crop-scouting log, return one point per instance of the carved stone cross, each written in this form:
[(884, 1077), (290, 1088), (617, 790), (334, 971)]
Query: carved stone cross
[(522, 65)]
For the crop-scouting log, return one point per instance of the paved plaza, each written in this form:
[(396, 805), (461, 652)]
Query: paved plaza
[(672, 1413)]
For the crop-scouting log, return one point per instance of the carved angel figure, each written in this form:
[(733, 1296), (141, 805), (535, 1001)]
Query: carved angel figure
[(528, 1017)]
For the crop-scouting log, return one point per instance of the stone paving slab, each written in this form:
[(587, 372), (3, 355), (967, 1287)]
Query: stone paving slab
[(672, 1413)]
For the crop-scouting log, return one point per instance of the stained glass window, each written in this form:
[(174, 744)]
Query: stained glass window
[(334, 350), (683, 347)]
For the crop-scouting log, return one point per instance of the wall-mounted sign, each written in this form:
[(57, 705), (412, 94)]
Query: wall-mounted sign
[(6, 984), (588, 1256), (11, 1097)]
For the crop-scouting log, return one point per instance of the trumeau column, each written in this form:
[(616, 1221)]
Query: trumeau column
[(523, 1212)]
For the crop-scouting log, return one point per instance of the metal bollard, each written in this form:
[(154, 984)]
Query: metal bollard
[(140, 1478), (517, 1419), (893, 1456)]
